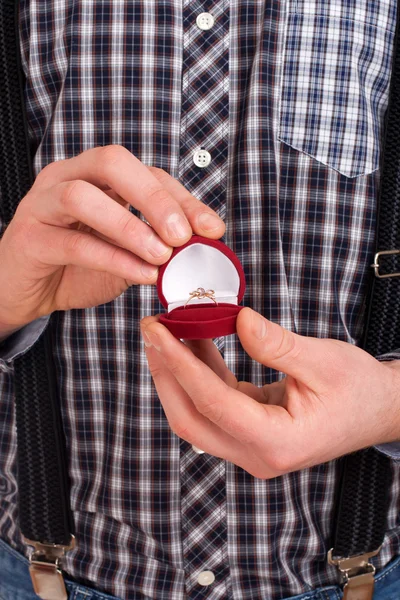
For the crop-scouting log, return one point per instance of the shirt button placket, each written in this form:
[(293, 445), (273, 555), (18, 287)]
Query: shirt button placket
[(203, 171)]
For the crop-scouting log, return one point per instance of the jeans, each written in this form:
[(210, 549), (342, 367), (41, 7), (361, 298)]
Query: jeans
[(15, 583)]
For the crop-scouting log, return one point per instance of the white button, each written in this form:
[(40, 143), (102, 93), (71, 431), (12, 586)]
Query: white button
[(206, 578), (201, 158), (197, 450), (205, 21)]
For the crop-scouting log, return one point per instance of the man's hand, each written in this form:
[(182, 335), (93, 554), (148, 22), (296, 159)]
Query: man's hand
[(335, 399), (74, 244)]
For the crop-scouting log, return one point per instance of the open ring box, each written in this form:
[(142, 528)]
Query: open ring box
[(208, 264)]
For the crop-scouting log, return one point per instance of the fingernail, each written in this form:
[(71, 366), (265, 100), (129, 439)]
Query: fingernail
[(156, 247), (149, 271), (259, 326), (154, 340), (209, 222), (177, 226), (146, 339)]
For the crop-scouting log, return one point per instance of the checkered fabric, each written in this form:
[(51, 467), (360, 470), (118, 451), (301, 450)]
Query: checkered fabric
[(205, 106), (150, 513), (333, 94)]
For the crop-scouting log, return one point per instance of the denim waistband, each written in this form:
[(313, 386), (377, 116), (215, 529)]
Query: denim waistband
[(15, 583)]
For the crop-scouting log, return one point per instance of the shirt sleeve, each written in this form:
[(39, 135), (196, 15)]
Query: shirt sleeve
[(391, 449), (20, 342)]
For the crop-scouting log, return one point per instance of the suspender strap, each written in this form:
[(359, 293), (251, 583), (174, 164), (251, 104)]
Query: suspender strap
[(44, 511), (382, 332), (15, 167), (363, 505), (364, 495)]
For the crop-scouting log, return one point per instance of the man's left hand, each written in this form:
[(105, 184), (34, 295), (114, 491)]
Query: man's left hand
[(335, 398)]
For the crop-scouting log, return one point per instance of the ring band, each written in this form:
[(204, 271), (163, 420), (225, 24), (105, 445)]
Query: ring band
[(201, 293)]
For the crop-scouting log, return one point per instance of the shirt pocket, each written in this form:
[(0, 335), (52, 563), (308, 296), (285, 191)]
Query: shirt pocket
[(335, 80)]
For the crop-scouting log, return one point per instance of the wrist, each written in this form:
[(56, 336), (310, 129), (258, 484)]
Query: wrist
[(393, 416)]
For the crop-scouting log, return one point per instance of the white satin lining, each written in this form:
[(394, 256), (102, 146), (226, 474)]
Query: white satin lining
[(197, 266)]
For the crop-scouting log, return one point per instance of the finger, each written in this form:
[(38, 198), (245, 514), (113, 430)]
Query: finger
[(251, 390), (208, 353), (58, 246), (73, 201), (204, 220), (146, 321), (114, 196), (240, 416), (304, 358), (190, 425), (116, 168), (273, 393)]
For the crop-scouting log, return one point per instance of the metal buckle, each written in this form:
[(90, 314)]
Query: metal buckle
[(47, 579), (358, 574), (375, 265)]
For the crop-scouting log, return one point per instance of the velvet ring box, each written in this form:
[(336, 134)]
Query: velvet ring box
[(207, 264)]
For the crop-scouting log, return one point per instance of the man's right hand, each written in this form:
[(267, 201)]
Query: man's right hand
[(74, 244)]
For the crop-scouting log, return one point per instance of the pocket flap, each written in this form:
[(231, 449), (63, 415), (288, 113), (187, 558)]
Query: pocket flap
[(335, 86)]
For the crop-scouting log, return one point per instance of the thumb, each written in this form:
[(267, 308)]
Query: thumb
[(271, 345)]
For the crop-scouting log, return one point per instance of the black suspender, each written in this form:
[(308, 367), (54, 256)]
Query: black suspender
[(44, 511), (45, 515), (364, 494)]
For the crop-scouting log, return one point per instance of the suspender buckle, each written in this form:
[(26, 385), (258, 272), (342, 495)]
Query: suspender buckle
[(376, 266), (47, 579), (358, 575)]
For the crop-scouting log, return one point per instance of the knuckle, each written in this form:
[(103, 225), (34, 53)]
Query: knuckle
[(288, 346), (282, 462), (72, 195), (128, 225), (174, 369), (47, 174), (158, 196), (189, 203), (156, 372), (111, 155), (160, 174), (180, 429), (75, 244), (117, 256), (211, 409)]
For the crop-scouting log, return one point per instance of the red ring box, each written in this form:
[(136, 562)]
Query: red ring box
[(208, 264)]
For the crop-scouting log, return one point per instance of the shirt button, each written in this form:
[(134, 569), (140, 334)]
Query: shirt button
[(197, 450), (201, 158), (205, 21), (206, 578)]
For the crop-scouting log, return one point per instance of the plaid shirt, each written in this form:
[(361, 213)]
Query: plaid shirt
[(289, 99)]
